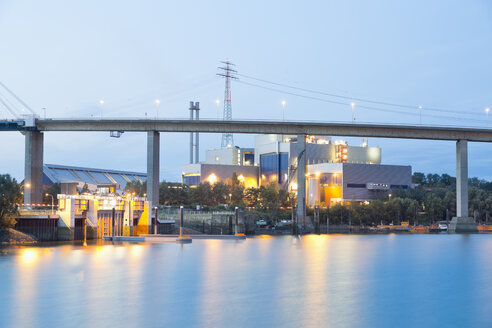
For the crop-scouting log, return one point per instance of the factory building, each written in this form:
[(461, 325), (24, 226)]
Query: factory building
[(336, 171), (331, 183)]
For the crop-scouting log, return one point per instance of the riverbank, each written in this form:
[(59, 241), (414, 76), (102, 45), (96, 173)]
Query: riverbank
[(14, 237)]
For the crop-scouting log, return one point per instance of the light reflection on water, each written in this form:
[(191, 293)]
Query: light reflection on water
[(313, 281)]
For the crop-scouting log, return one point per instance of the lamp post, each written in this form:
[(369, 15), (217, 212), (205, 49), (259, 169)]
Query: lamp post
[(420, 114), (157, 102), (101, 102), (217, 102), (283, 102), (487, 110), (352, 104), (52, 202)]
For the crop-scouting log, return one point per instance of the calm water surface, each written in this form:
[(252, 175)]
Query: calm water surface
[(314, 281)]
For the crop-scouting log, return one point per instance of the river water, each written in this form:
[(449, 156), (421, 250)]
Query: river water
[(313, 281)]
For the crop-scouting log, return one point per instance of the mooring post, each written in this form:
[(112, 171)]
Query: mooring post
[(236, 220), (84, 227), (328, 219), (181, 221), (155, 220), (112, 223), (292, 215), (182, 239)]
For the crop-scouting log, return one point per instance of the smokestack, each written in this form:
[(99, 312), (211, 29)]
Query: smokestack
[(191, 133), (197, 138)]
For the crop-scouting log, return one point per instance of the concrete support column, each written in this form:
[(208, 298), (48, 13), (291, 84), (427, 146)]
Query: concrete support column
[(153, 168), (33, 174), (462, 223), (462, 178), (301, 178)]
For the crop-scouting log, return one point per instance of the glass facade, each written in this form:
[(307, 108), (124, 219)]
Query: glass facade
[(274, 167), (191, 180)]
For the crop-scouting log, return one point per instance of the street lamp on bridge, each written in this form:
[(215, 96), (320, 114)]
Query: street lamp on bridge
[(487, 110)]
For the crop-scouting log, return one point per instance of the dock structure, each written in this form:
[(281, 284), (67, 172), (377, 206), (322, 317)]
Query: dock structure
[(170, 238)]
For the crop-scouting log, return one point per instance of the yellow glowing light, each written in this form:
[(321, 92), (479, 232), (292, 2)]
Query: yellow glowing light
[(27, 185), (241, 178), (29, 256), (317, 174), (212, 178)]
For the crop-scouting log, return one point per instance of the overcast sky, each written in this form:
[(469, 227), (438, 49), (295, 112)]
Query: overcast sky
[(66, 56)]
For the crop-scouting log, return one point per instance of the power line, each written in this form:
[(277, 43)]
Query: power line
[(359, 99), (360, 106)]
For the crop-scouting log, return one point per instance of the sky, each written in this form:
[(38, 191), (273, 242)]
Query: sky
[(66, 56)]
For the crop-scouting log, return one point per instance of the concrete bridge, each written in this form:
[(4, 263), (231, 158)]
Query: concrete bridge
[(34, 146)]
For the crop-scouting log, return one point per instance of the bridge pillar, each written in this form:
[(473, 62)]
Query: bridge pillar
[(462, 222), (153, 168), (301, 179), (33, 168)]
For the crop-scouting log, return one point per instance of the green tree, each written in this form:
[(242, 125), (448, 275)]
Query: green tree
[(10, 198), (221, 193), (172, 193), (137, 187), (252, 197), (202, 194), (85, 189), (52, 190)]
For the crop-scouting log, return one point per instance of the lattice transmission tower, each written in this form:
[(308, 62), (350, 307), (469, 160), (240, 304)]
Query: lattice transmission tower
[(227, 72)]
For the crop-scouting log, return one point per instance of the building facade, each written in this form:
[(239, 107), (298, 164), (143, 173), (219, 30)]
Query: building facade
[(336, 171), (131, 214)]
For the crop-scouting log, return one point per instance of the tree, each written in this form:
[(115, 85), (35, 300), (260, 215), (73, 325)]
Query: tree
[(136, 187), (221, 193), (172, 193), (52, 190), (85, 189), (269, 196), (202, 194), (419, 178), (10, 198), (252, 197)]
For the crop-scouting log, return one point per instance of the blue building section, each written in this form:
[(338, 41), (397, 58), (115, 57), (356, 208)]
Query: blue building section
[(61, 173), (274, 167)]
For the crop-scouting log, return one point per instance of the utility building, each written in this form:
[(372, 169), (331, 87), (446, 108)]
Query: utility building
[(335, 171)]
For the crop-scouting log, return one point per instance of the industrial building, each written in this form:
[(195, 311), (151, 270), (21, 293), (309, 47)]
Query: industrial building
[(336, 171), (92, 177), (95, 210), (330, 183)]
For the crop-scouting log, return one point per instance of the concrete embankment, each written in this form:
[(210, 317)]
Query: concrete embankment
[(14, 237)]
